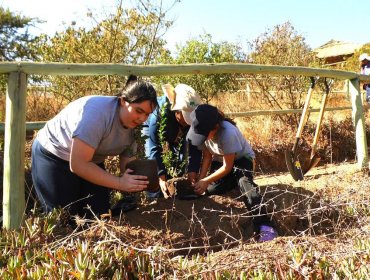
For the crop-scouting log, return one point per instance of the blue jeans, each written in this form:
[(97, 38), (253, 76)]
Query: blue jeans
[(56, 186)]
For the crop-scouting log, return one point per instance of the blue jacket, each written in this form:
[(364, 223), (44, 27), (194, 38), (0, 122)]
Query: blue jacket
[(153, 148)]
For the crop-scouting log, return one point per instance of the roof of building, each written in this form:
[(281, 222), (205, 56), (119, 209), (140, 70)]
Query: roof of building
[(336, 48)]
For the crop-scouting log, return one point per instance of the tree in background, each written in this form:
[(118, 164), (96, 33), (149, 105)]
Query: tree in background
[(353, 63), (281, 46), (15, 39), (130, 36), (204, 50), (14, 36)]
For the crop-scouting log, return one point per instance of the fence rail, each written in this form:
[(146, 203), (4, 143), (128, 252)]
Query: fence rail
[(15, 120), (30, 126), (88, 69)]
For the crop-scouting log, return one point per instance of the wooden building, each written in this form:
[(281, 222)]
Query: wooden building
[(336, 52)]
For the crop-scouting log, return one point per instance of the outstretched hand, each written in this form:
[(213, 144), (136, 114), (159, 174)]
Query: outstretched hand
[(132, 183)]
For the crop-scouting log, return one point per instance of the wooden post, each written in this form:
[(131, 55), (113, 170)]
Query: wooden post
[(359, 123), (14, 141)]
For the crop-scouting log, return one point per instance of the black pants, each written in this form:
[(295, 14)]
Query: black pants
[(242, 175), (56, 186)]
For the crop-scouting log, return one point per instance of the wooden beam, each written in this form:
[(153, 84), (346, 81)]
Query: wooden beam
[(29, 126), (280, 112), (38, 125), (359, 124), (14, 142), (83, 69)]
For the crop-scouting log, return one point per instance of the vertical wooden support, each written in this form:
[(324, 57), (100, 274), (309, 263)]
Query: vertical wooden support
[(14, 141), (359, 123)]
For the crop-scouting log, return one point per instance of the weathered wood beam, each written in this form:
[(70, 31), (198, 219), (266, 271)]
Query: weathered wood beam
[(82, 69), (38, 125), (280, 112), (14, 142), (359, 124), (29, 126)]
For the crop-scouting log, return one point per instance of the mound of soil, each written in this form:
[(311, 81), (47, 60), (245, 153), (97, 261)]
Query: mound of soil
[(221, 222), (337, 143), (174, 223), (181, 188)]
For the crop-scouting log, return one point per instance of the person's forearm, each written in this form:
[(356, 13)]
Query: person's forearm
[(218, 174), (81, 164), (94, 174), (227, 166)]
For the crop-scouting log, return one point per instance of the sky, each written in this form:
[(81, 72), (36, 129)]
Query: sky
[(235, 21)]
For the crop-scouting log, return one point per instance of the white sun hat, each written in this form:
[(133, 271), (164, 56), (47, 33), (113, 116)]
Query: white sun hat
[(183, 98), (363, 57)]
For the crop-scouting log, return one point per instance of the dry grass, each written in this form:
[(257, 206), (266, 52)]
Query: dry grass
[(270, 137), (323, 222), (265, 127), (116, 248)]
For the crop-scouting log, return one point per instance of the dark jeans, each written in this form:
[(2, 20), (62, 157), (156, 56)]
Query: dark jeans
[(242, 175), (56, 186)]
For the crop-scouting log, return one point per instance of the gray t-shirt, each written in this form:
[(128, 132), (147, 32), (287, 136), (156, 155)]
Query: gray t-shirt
[(229, 140), (95, 121)]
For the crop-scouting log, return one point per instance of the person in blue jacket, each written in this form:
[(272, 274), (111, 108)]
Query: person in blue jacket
[(173, 114)]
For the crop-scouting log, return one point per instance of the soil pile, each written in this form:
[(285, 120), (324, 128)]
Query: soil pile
[(221, 222)]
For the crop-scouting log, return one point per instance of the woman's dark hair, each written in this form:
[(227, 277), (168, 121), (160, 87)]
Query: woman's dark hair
[(137, 91), (223, 118)]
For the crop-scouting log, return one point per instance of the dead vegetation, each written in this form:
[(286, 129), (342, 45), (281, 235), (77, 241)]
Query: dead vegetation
[(323, 223)]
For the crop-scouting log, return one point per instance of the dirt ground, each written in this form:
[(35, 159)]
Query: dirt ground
[(307, 209)]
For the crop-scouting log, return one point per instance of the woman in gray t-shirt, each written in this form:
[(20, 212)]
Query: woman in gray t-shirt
[(69, 151), (231, 159)]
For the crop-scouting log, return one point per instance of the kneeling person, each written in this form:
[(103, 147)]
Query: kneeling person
[(231, 159)]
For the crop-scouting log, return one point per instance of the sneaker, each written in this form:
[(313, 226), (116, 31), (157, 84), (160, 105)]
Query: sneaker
[(267, 233), (248, 189)]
